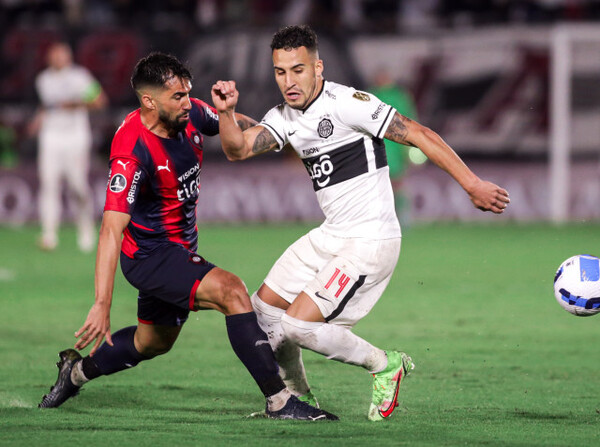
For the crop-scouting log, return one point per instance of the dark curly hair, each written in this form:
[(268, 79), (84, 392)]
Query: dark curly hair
[(156, 69), (295, 36)]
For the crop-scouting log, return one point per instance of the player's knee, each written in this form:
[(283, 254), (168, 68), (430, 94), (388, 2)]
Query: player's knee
[(234, 296), (299, 331), (155, 349), (154, 343)]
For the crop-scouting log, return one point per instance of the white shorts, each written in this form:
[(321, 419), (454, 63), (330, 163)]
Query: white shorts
[(345, 277)]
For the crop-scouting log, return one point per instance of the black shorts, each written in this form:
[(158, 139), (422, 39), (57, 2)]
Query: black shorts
[(167, 281)]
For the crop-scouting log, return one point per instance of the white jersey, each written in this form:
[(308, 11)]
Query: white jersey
[(69, 84), (339, 137)]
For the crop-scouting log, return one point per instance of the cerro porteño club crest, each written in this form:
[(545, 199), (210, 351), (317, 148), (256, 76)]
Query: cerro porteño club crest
[(325, 128), (196, 139)]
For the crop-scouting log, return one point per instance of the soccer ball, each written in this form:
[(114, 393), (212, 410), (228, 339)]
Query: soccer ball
[(577, 285)]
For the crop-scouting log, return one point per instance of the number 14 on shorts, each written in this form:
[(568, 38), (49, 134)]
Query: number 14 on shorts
[(341, 283)]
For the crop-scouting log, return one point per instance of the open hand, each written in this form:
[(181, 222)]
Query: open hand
[(95, 328)]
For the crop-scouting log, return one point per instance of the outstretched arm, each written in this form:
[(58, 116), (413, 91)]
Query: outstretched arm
[(485, 195), (244, 122), (238, 143), (97, 323)]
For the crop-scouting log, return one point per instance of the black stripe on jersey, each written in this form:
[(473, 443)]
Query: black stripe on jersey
[(384, 121), (341, 164), (315, 98), (281, 140), (349, 295), (380, 156), (142, 154)]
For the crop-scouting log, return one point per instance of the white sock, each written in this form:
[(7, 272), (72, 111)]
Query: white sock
[(277, 401), (287, 353), (77, 376), (335, 342)]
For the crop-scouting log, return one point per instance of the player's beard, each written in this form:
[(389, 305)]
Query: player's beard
[(309, 97), (173, 126)]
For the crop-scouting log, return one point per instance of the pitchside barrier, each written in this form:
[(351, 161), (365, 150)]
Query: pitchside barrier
[(282, 192)]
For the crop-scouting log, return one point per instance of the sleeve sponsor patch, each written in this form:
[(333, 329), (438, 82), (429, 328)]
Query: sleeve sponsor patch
[(117, 183), (361, 96), (123, 186)]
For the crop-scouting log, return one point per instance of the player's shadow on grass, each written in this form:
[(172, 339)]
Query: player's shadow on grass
[(538, 416), (168, 397)]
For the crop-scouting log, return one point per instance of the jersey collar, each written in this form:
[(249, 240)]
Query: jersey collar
[(315, 98)]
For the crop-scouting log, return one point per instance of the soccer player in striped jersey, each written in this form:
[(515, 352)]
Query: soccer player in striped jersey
[(329, 279), (150, 223)]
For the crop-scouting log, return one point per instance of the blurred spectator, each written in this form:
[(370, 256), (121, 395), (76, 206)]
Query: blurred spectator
[(417, 15), (66, 92), (8, 154)]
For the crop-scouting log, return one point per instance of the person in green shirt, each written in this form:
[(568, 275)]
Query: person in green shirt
[(390, 92)]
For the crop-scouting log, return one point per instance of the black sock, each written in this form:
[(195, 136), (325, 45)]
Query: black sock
[(252, 347), (111, 359)]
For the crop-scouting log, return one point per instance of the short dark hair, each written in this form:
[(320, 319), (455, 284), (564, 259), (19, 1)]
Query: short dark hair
[(156, 69), (295, 36)]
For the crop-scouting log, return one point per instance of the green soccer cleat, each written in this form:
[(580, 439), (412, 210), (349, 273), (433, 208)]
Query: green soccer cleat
[(310, 399), (386, 385)]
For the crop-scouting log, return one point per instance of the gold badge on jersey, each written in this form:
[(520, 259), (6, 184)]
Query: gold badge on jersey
[(361, 96)]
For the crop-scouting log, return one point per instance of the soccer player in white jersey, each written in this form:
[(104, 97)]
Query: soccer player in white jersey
[(66, 92), (332, 277)]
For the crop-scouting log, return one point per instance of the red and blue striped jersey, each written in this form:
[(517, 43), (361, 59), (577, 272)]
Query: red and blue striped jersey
[(156, 181)]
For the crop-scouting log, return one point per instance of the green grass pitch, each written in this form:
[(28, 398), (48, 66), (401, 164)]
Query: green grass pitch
[(498, 362)]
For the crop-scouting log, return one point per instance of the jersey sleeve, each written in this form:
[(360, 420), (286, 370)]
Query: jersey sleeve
[(274, 122), (127, 173), (125, 180), (365, 112), (204, 117)]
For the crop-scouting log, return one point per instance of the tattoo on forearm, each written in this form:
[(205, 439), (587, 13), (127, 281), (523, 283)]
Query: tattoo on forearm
[(397, 130), (264, 142)]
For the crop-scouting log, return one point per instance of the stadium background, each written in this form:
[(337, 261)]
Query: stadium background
[(479, 73), (499, 363)]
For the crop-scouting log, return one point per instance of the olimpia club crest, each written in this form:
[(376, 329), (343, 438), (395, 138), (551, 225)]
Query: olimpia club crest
[(325, 128)]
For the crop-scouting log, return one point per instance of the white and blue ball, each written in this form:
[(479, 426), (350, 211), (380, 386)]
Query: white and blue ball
[(577, 285)]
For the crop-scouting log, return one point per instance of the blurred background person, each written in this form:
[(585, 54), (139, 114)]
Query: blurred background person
[(66, 91), (392, 93), (8, 153)]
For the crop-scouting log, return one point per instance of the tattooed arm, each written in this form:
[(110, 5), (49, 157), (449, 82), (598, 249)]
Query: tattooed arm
[(245, 122), (485, 195), (241, 138)]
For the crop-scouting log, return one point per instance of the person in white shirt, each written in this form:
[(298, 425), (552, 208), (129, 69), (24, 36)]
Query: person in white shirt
[(66, 92), (330, 278)]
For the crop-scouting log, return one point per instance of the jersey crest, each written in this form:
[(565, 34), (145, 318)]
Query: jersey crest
[(196, 139), (325, 128)]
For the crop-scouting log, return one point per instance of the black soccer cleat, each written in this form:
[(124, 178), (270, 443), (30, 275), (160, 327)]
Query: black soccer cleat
[(63, 389), (296, 409)]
